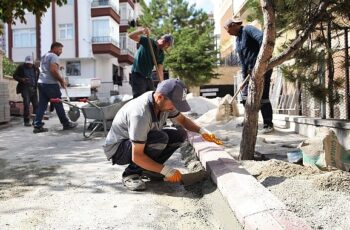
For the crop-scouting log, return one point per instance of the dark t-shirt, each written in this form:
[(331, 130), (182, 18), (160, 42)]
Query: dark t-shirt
[(143, 63)]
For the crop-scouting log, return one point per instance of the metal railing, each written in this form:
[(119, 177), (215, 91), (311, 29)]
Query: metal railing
[(104, 39), (105, 3), (127, 46)]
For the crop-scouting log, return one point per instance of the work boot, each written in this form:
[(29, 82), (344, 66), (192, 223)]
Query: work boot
[(40, 130), (69, 126), (27, 124)]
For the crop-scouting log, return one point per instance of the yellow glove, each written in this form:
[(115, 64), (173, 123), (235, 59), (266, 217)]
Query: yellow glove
[(171, 175), (208, 136)]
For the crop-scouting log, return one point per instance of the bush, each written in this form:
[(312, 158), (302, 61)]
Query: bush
[(8, 66)]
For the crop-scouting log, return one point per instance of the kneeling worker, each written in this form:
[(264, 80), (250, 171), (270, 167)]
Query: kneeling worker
[(138, 136)]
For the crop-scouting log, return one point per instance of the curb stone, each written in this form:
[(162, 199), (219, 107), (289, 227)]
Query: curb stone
[(254, 205)]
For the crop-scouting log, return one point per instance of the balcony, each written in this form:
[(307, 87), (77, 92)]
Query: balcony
[(131, 3), (105, 45), (105, 8), (128, 49)]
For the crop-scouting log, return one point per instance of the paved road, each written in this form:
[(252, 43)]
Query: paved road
[(60, 180)]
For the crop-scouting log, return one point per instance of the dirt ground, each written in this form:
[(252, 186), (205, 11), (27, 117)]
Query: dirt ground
[(320, 198), (60, 180)]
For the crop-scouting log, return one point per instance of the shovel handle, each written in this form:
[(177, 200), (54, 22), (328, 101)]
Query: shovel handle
[(240, 88)]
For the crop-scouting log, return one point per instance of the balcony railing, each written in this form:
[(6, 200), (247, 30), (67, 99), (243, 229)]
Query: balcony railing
[(127, 46), (105, 3), (105, 39)]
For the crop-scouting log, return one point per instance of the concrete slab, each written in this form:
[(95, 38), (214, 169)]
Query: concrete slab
[(254, 206)]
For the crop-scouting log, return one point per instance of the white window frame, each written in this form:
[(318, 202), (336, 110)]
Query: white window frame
[(24, 38), (65, 31)]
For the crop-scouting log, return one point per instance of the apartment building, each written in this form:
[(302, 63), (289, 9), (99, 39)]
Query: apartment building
[(94, 35)]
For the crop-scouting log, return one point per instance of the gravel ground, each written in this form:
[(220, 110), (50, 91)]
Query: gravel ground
[(321, 198)]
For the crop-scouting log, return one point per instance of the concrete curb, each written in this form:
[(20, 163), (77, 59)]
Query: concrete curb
[(254, 206)]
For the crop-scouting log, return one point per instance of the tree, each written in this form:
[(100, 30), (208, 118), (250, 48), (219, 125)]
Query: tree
[(303, 17), (13, 9), (193, 58)]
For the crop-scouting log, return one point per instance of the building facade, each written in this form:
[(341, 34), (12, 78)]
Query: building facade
[(94, 35)]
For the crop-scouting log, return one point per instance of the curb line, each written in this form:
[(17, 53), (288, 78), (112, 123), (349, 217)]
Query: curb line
[(254, 205)]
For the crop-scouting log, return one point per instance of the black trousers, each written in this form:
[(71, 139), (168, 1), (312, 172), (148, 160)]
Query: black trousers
[(266, 108), (159, 147), (140, 84), (29, 95)]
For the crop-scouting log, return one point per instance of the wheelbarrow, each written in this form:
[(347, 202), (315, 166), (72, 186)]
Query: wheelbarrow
[(96, 114)]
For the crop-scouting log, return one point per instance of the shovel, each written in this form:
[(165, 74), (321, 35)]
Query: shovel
[(74, 112)]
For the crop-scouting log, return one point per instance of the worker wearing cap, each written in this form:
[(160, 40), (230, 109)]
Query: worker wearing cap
[(140, 79), (248, 43), (27, 76), (139, 138)]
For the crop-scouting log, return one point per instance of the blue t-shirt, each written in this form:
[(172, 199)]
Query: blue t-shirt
[(46, 76)]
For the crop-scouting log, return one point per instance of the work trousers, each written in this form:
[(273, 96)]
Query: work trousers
[(29, 95), (266, 108), (160, 145), (140, 84), (47, 92)]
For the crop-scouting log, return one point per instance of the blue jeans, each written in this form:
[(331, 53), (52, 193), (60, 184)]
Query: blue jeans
[(160, 145), (46, 92)]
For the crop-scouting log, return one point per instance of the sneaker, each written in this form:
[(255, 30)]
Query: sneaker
[(267, 129), (40, 130), (69, 126), (27, 124), (134, 183)]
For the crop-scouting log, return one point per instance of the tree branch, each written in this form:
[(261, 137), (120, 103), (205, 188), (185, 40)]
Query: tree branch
[(302, 37)]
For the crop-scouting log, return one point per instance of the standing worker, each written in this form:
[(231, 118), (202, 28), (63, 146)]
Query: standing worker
[(138, 136), (140, 79), (49, 84), (248, 43), (27, 76)]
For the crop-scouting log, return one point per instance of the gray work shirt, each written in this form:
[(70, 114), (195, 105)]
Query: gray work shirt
[(134, 121), (46, 76)]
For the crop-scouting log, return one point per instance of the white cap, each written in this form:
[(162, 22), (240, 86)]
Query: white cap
[(28, 60)]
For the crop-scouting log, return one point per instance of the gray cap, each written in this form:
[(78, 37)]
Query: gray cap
[(176, 91), (28, 60), (234, 20), (168, 38)]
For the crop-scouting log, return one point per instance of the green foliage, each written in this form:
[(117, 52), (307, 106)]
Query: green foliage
[(13, 9), (194, 56), (310, 64), (8, 66)]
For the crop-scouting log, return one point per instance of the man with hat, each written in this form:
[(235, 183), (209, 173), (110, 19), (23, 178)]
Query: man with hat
[(139, 138), (27, 76), (140, 78), (248, 43)]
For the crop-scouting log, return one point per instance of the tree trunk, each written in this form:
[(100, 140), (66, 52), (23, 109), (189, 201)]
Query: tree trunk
[(252, 107)]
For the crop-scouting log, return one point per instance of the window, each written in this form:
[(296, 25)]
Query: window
[(73, 68), (70, 2), (65, 31), (100, 28), (24, 38)]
